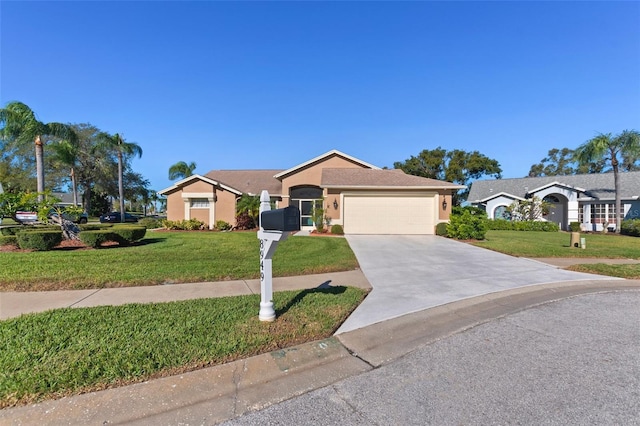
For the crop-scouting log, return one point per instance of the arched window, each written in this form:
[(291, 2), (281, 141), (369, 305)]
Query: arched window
[(501, 213), (551, 199)]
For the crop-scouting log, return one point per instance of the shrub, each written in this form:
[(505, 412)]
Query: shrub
[(574, 226), (150, 223), (10, 230), (630, 227), (245, 221), (183, 225), (221, 225), (94, 226), (337, 230), (96, 238), (441, 229), (8, 240), (523, 225), (128, 234), (39, 240), (467, 226)]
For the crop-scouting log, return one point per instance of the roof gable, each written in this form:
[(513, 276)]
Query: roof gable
[(598, 186), (187, 180), (321, 158), (250, 182)]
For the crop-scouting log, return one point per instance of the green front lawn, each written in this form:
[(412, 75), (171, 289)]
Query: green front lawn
[(170, 257), (68, 351), (557, 244)]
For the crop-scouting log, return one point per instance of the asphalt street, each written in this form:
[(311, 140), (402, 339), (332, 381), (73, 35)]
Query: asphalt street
[(573, 361)]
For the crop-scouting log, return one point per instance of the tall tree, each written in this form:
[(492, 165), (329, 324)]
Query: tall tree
[(181, 170), (452, 166), (116, 143), (607, 147), (20, 122), (562, 162)]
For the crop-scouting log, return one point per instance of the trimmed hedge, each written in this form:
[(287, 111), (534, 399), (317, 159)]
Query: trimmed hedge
[(10, 230), (150, 223), (129, 234), (94, 226), (337, 230), (630, 227), (526, 225), (8, 240), (441, 229), (39, 240), (123, 235), (95, 238)]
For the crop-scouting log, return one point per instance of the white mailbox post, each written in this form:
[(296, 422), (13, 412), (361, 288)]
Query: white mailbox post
[(278, 228)]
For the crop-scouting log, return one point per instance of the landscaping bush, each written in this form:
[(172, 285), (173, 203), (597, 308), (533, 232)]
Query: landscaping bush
[(183, 225), (574, 226), (150, 223), (39, 240), (8, 240), (94, 226), (441, 229), (10, 230), (245, 221), (337, 230), (129, 234), (95, 238), (467, 226), (523, 225), (221, 225), (630, 227)]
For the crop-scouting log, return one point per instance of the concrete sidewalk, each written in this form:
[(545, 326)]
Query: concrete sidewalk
[(223, 392), (13, 304)]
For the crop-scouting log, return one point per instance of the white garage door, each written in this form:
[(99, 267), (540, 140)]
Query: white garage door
[(389, 214)]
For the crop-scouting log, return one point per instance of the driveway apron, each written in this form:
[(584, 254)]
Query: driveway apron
[(410, 273)]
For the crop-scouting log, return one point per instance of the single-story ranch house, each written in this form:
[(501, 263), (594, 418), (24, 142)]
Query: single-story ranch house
[(588, 199), (361, 197)]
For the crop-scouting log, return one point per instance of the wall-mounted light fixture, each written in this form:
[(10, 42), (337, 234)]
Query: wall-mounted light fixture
[(444, 203), (335, 204)]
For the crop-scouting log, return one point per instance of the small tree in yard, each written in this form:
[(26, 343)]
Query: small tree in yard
[(318, 215), (529, 210)]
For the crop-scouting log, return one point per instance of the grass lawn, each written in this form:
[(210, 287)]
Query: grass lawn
[(170, 257), (69, 351), (556, 244)]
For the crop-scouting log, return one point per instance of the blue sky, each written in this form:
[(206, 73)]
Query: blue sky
[(237, 85)]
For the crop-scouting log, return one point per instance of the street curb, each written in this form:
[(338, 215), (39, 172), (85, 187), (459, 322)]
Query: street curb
[(227, 391)]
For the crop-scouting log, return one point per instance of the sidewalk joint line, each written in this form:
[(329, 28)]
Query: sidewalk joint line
[(84, 298), (355, 355), (248, 287)]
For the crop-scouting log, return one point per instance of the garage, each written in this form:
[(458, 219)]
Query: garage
[(389, 213)]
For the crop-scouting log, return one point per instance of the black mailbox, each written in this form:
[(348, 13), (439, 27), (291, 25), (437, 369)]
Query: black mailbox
[(286, 219)]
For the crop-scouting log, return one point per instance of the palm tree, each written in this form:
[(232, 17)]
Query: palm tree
[(181, 170), (607, 147), (117, 144), (67, 154), (20, 122)]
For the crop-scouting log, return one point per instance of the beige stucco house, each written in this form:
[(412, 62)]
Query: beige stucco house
[(361, 197)]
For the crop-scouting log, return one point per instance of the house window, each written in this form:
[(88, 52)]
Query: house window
[(581, 213), (199, 203), (501, 213), (601, 213)]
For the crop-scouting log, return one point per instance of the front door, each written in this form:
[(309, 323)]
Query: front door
[(304, 197)]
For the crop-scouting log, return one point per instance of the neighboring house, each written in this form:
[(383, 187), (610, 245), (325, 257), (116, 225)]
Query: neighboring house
[(363, 198), (588, 199)]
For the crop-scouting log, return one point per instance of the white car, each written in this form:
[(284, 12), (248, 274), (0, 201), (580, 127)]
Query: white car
[(27, 216)]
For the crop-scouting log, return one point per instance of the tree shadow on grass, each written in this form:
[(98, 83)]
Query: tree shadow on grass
[(324, 288)]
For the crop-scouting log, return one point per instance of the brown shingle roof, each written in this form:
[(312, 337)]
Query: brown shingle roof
[(249, 181), (371, 178)]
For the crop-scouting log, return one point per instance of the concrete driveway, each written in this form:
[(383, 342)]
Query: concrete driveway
[(410, 273)]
